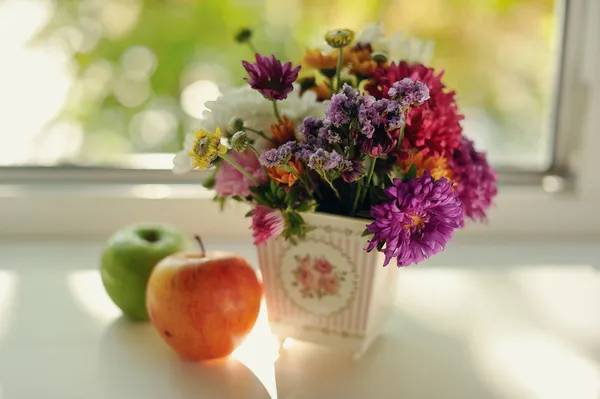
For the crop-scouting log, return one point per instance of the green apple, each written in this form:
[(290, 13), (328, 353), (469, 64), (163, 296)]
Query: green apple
[(129, 258)]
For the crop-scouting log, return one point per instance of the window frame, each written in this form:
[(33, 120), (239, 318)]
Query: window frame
[(557, 201)]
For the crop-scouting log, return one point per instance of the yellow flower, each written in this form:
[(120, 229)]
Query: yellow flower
[(438, 167), (339, 38), (207, 147)]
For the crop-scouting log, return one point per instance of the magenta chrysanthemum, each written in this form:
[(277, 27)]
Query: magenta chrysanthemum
[(475, 180), (417, 221), (433, 128), (270, 77), (266, 223)]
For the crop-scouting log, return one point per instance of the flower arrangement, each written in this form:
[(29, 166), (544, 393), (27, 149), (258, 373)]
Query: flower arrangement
[(366, 131)]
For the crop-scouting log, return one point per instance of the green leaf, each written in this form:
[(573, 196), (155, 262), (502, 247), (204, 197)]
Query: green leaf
[(379, 193), (364, 214), (304, 207), (248, 214), (210, 181), (270, 197), (366, 233), (222, 202), (273, 186), (293, 197), (412, 172), (387, 180), (380, 245), (237, 198), (280, 194)]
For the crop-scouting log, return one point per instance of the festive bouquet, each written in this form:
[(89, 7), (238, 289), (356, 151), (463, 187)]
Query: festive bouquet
[(368, 132)]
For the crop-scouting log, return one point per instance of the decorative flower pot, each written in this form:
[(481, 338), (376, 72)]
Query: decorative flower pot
[(326, 289)]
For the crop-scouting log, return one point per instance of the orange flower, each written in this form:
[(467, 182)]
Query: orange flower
[(310, 83), (438, 167), (323, 92), (361, 63), (287, 174), (318, 60), (283, 132)]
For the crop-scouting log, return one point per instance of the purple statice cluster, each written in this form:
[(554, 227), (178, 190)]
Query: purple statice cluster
[(279, 156), (408, 93), (326, 161), (374, 124), (417, 221)]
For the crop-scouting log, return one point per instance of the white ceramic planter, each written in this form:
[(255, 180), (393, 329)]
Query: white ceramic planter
[(327, 289)]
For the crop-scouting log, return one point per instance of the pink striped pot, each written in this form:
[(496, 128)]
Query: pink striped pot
[(327, 289)]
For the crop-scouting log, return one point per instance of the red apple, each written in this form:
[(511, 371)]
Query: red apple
[(203, 304)]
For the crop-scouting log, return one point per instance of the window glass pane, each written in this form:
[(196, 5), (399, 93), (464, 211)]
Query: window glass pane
[(114, 82)]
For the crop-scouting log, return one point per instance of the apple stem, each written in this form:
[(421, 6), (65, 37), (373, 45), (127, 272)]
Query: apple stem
[(199, 240)]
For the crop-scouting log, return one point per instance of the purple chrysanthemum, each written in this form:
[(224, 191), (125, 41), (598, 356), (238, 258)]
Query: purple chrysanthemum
[(266, 223), (475, 180), (278, 156), (270, 77), (417, 221), (409, 93)]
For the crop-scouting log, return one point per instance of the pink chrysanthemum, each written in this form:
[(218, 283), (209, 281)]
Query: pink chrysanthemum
[(417, 221), (266, 223), (230, 182), (475, 180), (432, 128), (270, 77)]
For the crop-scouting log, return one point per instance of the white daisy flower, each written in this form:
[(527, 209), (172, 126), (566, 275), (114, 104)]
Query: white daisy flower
[(256, 112), (409, 49)]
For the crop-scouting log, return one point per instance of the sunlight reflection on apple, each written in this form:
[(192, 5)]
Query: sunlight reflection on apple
[(533, 364), (8, 289), (259, 352), (90, 296)]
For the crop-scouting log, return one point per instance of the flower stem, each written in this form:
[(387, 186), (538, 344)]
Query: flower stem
[(276, 111), (369, 177), (401, 137), (335, 191), (236, 165), (358, 194), (260, 133), (254, 50), (310, 184), (338, 71)]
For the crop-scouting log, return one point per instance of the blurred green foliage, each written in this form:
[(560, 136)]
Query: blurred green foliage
[(497, 54)]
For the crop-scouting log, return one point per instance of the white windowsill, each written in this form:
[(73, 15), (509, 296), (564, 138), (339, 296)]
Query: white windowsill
[(99, 210)]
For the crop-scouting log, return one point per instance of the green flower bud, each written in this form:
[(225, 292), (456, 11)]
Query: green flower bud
[(339, 38), (243, 35), (235, 124), (379, 57), (240, 141)]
